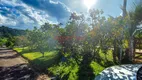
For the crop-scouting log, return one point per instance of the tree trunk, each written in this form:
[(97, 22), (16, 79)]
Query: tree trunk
[(121, 54), (124, 8), (23, 48), (118, 52), (42, 54), (131, 53), (114, 52)]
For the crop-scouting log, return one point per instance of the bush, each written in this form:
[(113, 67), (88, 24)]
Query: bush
[(65, 70), (96, 68), (9, 44)]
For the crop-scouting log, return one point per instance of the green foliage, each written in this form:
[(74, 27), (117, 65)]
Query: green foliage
[(10, 41), (43, 39), (100, 37), (21, 41), (102, 44), (136, 16), (106, 56), (96, 68), (8, 36), (9, 44), (65, 70), (3, 41), (5, 31)]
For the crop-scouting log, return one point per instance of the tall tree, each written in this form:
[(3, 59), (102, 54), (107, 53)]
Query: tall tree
[(135, 19), (124, 8)]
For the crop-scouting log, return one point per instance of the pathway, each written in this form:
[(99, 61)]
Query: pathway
[(14, 67)]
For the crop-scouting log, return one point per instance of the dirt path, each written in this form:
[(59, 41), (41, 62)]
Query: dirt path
[(14, 67)]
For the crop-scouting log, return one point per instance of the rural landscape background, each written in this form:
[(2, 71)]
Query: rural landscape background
[(68, 41)]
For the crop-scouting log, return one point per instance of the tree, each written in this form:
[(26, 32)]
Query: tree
[(37, 40), (10, 41), (134, 19), (3, 41), (51, 31), (43, 39), (124, 8), (21, 41)]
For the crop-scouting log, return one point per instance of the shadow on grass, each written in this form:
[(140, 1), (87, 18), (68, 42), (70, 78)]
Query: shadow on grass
[(42, 63)]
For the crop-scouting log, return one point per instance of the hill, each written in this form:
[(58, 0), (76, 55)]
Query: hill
[(5, 31)]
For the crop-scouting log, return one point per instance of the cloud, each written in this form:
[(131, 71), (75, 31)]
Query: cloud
[(29, 13), (15, 13), (75, 5), (6, 21), (55, 9)]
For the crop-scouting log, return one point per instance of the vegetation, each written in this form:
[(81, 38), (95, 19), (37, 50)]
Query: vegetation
[(5, 31), (83, 48), (8, 36), (36, 59)]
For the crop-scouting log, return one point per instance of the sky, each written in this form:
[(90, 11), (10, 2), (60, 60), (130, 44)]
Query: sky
[(26, 14)]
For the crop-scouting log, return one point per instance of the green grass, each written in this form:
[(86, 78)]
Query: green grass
[(18, 49), (71, 69), (45, 63), (36, 59)]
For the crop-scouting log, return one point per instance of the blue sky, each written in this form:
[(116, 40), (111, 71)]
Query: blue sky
[(25, 14)]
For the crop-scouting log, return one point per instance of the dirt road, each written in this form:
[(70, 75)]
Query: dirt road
[(14, 67)]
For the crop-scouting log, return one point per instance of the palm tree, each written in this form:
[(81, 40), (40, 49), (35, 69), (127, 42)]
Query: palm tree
[(124, 8), (135, 19)]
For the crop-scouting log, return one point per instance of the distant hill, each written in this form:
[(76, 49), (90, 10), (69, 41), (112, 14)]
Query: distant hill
[(5, 31)]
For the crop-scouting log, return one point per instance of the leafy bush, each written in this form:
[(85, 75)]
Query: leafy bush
[(3, 41), (96, 68), (9, 44), (65, 70)]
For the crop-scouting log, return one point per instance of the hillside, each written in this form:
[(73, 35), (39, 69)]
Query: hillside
[(5, 31)]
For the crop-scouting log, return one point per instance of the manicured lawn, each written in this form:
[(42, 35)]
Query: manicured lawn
[(18, 49), (36, 59)]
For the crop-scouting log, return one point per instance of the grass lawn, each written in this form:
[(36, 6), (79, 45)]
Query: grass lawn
[(36, 59), (43, 63)]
